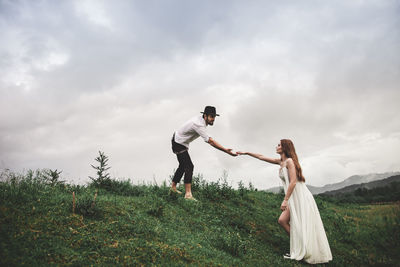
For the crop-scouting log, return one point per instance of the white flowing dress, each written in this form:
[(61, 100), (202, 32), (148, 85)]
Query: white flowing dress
[(308, 240)]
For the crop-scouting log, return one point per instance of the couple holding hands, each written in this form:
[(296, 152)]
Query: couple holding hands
[(300, 216)]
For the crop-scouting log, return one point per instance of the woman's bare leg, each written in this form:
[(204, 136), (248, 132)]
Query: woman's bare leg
[(284, 220)]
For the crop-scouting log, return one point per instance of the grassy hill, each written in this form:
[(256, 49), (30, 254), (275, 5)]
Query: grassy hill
[(145, 225)]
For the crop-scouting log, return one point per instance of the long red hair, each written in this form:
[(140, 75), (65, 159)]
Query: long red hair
[(290, 152)]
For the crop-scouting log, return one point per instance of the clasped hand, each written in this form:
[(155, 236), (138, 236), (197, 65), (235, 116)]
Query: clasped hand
[(229, 151)]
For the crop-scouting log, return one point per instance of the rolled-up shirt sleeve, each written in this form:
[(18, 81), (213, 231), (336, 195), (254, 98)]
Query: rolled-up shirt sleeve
[(201, 130)]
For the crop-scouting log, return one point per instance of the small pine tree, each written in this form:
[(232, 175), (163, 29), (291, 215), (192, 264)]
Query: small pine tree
[(103, 177), (53, 177)]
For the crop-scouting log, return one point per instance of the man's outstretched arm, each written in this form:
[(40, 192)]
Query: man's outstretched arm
[(220, 147)]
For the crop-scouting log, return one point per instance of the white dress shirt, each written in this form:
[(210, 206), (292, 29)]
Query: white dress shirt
[(191, 130)]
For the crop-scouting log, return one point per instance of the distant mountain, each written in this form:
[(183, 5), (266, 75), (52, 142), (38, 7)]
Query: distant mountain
[(370, 185), (275, 189), (355, 179)]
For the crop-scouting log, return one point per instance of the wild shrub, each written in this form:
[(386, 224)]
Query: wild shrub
[(226, 191), (156, 208), (23, 188), (251, 187), (210, 191), (232, 243), (220, 190), (158, 190), (198, 182), (124, 188), (87, 206), (242, 189)]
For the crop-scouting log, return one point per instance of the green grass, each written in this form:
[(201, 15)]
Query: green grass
[(145, 225)]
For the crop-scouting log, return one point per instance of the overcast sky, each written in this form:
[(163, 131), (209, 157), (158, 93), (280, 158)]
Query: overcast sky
[(121, 76)]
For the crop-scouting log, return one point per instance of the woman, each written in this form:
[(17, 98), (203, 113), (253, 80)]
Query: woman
[(300, 216)]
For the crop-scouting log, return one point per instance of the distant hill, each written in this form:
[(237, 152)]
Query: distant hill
[(370, 185), (275, 189), (355, 179)]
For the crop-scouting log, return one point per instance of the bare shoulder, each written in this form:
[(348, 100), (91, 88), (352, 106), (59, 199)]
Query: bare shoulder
[(289, 162)]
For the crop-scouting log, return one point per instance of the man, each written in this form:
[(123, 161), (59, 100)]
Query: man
[(181, 139)]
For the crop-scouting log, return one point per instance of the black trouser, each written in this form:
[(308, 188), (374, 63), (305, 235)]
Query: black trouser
[(185, 163)]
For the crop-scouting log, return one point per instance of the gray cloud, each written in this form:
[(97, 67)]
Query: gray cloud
[(122, 76)]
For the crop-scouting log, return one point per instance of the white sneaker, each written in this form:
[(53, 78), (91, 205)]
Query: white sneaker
[(175, 191), (286, 256), (191, 198)]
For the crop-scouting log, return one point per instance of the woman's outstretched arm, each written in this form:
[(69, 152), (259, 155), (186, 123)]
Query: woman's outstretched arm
[(260, 157)]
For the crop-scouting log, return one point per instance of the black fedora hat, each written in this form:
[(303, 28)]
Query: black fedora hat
[(209, 110)]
